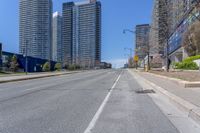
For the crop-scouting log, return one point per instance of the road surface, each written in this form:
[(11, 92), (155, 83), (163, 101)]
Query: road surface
[(103, 101)]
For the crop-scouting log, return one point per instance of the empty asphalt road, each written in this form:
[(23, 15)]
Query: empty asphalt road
[(102, 101)]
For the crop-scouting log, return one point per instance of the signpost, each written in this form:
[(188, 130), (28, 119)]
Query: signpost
[(136, 59)]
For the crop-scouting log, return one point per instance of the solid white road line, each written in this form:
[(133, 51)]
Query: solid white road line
[(101, 108)]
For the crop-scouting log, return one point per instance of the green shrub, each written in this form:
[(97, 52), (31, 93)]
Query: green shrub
[(58, 66), (187, 65), (74, 67), (14, 63), (192, 58), (174, 65), (46, 67), (78, 67)]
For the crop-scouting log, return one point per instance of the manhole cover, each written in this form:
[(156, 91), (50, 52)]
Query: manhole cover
[(145, 91)]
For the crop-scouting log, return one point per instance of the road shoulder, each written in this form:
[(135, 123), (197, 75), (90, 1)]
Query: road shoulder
[(127, 111), (191, 109)]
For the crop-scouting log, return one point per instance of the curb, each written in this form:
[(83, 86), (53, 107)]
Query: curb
[(185, 84), (36, 77), (192, 110)]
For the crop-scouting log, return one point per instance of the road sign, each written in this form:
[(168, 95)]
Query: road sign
[(136, 58)]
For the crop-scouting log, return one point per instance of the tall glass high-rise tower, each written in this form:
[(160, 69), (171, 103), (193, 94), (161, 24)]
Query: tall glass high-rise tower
[(142, 40), (57, 37), (35, 28), (67, 31), (82, 33)]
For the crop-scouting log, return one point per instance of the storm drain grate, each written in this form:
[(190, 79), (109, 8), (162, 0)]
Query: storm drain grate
[(145, 91)]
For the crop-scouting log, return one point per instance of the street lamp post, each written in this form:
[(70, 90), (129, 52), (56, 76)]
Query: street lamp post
[(127, 30), (130, 54), (26, 64), (26, 60), (148, 53), (131, 51), (127, 61), (133, 32)]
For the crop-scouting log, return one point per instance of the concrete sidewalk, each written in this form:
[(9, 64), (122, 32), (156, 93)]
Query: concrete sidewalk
[(190, 94), (187, 98), (12, 78)]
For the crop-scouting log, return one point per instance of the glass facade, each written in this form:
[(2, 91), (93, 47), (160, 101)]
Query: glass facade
[(142, 40), (175, 41), (35, 28), (57, 37), (67, 32), (82, 33)]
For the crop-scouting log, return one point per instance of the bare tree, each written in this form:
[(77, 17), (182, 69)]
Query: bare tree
[(191, 41)]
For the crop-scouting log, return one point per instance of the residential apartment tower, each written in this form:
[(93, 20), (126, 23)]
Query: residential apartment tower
[(142, 40), (35, 28), (82, 33), (57, 37)]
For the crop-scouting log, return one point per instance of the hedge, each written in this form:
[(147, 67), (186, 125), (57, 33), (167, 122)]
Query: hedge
[(188, 63), (73, 67), (58, 66), (187, 66), (192, 58)]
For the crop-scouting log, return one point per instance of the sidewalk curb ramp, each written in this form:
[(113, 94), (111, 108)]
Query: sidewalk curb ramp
[(192, 110), (182, 83), (29, 77)]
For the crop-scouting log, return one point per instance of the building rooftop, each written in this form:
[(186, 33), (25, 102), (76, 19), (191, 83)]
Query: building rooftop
[(84, 2)]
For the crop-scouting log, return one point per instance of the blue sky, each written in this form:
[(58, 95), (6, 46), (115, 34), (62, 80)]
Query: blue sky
[(116, 16)]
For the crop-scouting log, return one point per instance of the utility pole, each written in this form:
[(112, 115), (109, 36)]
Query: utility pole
[(26, 56), (130, 49), (128, 57)]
